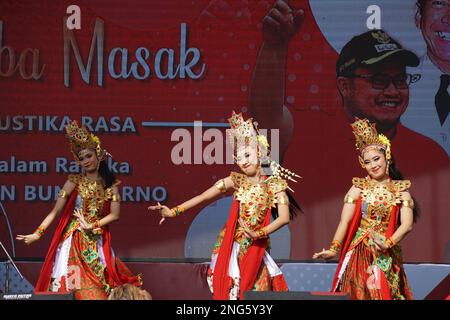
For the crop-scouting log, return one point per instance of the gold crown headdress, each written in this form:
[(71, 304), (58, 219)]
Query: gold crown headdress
[(245, 132), (81, 138), (368, 138)]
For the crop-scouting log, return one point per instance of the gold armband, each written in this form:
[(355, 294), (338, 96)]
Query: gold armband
[(177, 210), (408, 203), (115, 197), (63, 194), (283, 199), (349, 199), (221, 185)]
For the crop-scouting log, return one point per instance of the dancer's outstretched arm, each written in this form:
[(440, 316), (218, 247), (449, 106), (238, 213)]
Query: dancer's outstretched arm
[(219, 187), (59, 205)]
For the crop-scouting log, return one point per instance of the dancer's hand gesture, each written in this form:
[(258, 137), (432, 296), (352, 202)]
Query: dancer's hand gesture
[(378, 242), (248, 232), (78, 213), (325, 254), (164, 211), (28, 239)]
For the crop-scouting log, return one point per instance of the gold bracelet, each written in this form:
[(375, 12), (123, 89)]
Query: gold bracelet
[(177, 210), (62, 193), (335, 246), (283, 199), (389, 243), (408, 203), (115, 197), (334, 250), (39, 231), (96, 225), (261, 233), (348, 199), (221, 185)]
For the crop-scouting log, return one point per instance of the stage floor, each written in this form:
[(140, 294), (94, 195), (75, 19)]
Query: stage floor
[(185, 279)]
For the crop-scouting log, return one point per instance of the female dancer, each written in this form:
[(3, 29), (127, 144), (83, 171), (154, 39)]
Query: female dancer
[(80, 258), (377, 215), (240, 259)]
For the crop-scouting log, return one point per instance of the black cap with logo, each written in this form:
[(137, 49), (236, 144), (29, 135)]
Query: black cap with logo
[(370, 48)]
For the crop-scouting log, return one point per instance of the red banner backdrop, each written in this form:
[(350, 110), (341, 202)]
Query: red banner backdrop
[(154, 63)]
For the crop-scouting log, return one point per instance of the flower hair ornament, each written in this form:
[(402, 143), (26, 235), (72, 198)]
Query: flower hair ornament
[(367, 138), (81, 138), (244, 133)]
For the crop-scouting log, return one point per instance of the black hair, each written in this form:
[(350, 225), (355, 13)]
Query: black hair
[(108, 177), (420, 4), (395, 174)]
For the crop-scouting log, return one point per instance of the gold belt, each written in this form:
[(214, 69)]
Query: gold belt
[(372, 224)]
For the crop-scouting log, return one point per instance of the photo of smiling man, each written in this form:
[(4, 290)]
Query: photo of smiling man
[(372, 79), (374, 75), (429, 105)]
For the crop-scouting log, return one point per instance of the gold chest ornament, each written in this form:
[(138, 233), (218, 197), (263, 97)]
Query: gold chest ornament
[(256, 198), (93, 194), (381, 196)]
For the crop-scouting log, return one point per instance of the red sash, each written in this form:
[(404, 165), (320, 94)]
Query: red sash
[(47, 268), (249, 265), (116, 273), (112, 275), (354, 225)]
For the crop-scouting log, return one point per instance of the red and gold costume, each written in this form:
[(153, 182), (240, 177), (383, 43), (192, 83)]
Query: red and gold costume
[(363, 272), (82, 260), (239, 263)]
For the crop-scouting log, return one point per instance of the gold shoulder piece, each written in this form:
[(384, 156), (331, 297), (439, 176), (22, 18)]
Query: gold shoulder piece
[(402, 185), (63, 194), (277, 185), (115, 197), (108, 193), (75, 178), (360, 183), (221, 185), (238, 179), (282, 199), (349, 199), (408, 203)]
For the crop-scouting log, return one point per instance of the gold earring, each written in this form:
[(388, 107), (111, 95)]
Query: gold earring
[(361, 162)]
